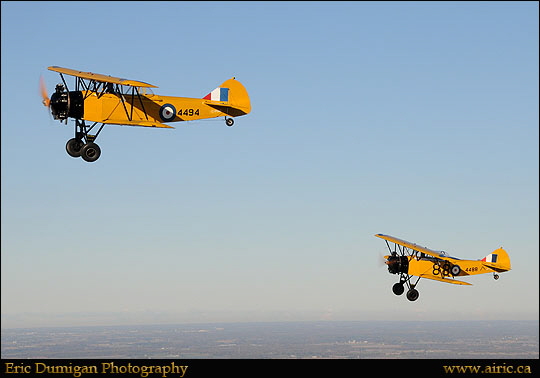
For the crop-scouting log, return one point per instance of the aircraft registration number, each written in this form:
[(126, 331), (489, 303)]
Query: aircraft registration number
[(472, 269), (188, 112)]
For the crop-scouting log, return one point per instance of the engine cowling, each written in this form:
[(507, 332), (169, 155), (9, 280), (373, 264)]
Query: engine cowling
[(66, 104), (397, 264)]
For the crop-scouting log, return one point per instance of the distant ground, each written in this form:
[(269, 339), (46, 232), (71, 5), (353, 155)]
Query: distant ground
[(288, 340)]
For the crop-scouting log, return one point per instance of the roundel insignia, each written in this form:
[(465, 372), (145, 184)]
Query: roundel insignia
[(167, 112)]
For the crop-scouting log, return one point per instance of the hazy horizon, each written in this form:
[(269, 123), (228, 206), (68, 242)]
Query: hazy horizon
[(142, 318)]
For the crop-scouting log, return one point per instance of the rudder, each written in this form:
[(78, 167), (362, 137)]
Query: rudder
[(230, 97), (498, 260)]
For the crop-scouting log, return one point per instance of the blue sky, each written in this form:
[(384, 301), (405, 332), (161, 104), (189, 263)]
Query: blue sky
[(418, 120)]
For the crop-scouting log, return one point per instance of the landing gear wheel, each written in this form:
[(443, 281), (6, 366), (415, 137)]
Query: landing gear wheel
[(495, 276), (73, 147), (455, 270), (412, 295), (90, 152), (229, 121), (398, 288)]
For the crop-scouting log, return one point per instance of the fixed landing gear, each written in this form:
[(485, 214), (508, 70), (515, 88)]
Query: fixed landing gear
[(412, 294), (74, 146), (83, 144), (495, 276), (399, 287), (229, 121), (90, 152)]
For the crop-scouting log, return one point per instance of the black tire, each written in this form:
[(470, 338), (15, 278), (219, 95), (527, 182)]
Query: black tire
[(74, 147), (398, 288), (412, 295), (229, 121), (90, 152)]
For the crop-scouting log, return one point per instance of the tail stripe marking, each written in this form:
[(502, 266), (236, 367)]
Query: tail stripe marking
[(218, 94), (491, 258)]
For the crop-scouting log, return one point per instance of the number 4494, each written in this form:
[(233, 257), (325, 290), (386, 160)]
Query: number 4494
[(188, 112)]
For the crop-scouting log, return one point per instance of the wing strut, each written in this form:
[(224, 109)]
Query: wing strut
[(134, 90)]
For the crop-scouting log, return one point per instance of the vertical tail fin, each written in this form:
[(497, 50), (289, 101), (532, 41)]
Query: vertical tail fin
[(231, 97), (498, 260)]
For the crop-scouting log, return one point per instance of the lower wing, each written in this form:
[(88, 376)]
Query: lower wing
[(138, 123), (447, 280)]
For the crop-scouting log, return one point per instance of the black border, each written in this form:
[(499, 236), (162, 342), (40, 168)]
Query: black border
[(239, 368)]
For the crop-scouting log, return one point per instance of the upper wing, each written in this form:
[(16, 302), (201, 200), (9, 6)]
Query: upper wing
[(99, 77), (414, 246)]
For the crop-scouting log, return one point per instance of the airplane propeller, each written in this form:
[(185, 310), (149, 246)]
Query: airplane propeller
[(43, 89), (382, 259)]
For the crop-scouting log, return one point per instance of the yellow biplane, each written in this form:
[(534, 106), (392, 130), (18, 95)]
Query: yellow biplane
[(106, 100), (409, 259)]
